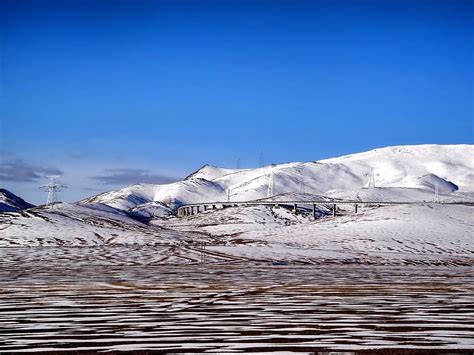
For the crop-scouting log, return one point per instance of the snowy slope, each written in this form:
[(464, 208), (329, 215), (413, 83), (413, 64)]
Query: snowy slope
[(425, 234), (210, 172), (397, 194), (403, 166), (172, 195), (73, 225), (9, 202), (421, 169)]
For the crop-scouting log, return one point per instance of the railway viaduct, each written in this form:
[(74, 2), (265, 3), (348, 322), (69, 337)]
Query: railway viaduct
[(191, 209)]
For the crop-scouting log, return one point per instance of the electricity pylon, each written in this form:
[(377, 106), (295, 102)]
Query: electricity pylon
[(436, 191), (52, 189), (371, 181), (270, 182), (302, 186)]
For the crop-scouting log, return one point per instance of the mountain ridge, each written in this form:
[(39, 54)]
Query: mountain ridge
[(9, 202), (420, 167)]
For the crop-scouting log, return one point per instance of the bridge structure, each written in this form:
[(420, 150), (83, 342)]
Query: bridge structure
[(195, 208)]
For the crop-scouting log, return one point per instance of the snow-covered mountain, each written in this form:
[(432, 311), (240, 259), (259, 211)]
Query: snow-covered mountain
[(9, 202), (400, 173), (415, 234)]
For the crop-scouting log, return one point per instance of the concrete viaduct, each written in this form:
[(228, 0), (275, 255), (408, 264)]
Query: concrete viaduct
[(191, 209)]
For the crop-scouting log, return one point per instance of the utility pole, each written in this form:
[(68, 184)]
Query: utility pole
[(52, 189)]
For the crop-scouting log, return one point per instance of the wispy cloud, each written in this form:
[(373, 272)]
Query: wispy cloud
[(131, 176), (78, 156), (20, 171)]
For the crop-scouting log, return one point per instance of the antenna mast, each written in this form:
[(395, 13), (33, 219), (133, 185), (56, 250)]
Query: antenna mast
[(52, 189)]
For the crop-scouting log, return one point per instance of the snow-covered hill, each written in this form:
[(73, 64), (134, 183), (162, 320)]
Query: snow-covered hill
[(424, 234), (407, 234), (143, 215), (9, 202), (401, 173), (74, 225)]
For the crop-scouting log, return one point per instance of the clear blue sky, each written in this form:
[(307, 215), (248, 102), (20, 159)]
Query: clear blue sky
[(110, 92)]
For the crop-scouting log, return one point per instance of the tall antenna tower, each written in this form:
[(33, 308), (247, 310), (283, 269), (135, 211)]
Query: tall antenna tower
[(436, 191), (52, 189), (371, 181), (270, 183)]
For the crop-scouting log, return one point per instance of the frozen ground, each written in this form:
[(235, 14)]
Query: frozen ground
[(232, 308), (429, 233), (118, 271), (402, 234)]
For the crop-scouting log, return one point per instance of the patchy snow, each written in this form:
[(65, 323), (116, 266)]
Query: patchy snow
[(73, 225), (9, 202), (403, 234), (428, 233), (61, 306), (114, 268)]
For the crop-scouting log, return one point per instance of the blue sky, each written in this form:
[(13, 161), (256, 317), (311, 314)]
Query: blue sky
[(109, 93)]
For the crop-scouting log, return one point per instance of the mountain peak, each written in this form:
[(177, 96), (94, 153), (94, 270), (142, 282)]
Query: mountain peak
[(209, 172)]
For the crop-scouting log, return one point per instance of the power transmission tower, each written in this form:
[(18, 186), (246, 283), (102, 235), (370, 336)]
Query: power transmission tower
[(371, 181), (228, 195), (52, 189), (238, 163), (270, 183), (302, 186), (436, 191)]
